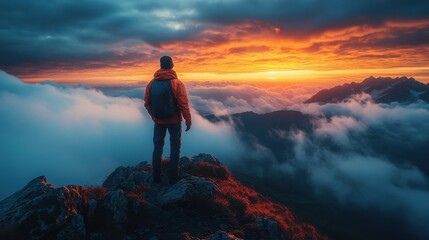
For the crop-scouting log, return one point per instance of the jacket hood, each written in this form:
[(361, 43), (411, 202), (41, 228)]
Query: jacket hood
[(163, 74)]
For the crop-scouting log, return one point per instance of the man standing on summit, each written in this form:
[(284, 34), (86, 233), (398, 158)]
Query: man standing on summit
[(166, 101)]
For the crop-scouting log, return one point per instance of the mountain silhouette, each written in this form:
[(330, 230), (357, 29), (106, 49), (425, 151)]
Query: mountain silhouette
[(381, 89), (207, 203)]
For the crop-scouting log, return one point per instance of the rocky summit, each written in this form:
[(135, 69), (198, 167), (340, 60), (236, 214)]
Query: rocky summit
[(206, 203), (382, 90)]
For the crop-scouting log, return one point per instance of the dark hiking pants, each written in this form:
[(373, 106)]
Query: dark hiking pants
[(175, 131)]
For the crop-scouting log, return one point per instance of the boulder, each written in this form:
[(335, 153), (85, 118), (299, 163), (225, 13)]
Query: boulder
[(75, 229), (128, 178), (185, 161), (202, 157), (91, 207), (118, 179), (116, 203), (39, 208), (187, 189), (270, 228)]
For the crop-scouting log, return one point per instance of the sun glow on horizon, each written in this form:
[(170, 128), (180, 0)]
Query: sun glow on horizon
[(252, 51), (124, 77)]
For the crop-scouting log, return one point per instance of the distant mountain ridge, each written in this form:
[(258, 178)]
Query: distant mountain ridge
[(381, 89)]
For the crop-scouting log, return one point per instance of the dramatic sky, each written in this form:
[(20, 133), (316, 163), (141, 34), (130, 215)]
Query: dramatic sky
[(269, 40)]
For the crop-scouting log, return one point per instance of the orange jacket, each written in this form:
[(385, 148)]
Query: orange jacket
[(179, 94)]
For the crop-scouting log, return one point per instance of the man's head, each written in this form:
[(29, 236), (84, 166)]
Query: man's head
[(166, 62)]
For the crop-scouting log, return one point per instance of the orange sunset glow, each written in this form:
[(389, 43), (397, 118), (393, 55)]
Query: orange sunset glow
[(242, 50)]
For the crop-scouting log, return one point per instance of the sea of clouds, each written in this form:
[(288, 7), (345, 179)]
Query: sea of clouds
[(78, 135), (362, 154), (369, 156)]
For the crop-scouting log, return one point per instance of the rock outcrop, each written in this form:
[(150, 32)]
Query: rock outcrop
[(206, 203)]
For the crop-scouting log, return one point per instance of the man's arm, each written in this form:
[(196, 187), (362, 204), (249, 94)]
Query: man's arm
[(147, 100), (183, 103)]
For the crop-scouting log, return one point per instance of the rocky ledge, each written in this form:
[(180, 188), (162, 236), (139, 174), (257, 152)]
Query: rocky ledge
[(206, 203)]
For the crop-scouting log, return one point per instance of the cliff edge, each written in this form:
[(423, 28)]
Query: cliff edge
[(207, 203)]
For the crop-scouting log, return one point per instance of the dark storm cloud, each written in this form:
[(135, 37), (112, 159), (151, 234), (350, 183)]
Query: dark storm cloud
[(76, 32), (307, 17), (396, 38), (400, 38), (65, 32)]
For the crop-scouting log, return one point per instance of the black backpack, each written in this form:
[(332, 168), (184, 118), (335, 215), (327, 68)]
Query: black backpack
[(161, 99)]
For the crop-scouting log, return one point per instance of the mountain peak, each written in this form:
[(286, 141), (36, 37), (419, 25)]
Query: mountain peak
[(381, 89), (207, 203), (373, 79)]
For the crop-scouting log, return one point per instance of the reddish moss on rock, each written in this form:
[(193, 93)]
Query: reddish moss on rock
[(208, 170), (94, 192)]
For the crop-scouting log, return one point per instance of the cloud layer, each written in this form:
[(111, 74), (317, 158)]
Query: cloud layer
[(368, 157), (223, 98), (75, 135), (40, 36)]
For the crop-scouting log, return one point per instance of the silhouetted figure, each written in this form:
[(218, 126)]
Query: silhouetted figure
[(166, 101)]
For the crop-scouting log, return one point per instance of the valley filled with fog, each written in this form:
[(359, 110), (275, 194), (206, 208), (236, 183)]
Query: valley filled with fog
[(359, 155)]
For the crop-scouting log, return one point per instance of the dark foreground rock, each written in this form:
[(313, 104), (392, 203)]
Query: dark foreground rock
[(206, 203)]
